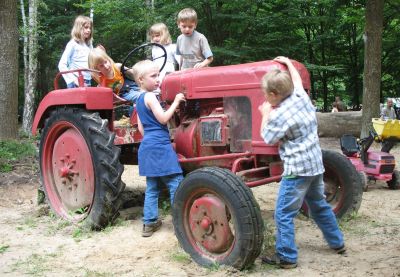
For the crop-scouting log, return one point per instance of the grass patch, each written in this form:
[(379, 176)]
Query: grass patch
[(12, 151), (165, 207), (3, 248), (213, 267), (117, 223), (81, 232), (95, 273), (269, 238), (181, 257), (359, 225), (35, 265)]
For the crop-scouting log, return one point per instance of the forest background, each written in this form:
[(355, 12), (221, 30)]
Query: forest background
[(326, 35)]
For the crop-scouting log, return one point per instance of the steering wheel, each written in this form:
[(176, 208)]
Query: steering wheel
[(145, 49)]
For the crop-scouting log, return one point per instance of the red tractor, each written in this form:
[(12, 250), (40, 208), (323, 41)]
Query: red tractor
[(216, 136)]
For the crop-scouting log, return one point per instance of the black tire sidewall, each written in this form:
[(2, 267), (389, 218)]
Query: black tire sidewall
[(102, 209), (247, 234), (344, 171)]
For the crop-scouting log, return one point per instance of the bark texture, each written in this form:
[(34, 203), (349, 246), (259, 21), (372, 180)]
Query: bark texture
[(32, 67), (372, 62), (338, 124), (8, 69)]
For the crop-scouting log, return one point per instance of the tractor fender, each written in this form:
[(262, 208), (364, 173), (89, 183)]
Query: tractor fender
[(93, 98)]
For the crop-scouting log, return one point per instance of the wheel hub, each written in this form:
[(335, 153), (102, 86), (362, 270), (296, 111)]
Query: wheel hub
[(71, 170), (209, 224)]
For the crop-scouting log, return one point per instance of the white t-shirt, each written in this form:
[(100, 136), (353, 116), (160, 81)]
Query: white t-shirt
[(172, 59)]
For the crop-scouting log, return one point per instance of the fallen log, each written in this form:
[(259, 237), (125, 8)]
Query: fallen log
[(338, 124)]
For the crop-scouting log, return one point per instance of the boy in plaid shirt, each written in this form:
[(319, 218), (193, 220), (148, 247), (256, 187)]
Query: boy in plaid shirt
[(288, 117)]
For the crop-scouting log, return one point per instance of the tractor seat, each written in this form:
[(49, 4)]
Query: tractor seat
[(349, 145)]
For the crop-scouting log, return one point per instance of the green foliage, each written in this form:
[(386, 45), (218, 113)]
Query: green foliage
[(3, 248), (325, 35), (12, 151)]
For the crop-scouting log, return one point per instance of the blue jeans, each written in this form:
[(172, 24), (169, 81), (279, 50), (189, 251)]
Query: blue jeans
[(150, 210), (292, 193)]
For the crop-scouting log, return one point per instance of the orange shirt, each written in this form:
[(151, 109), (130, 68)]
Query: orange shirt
[(115, 83)]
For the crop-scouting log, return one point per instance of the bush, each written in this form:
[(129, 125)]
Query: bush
[(12, 151)]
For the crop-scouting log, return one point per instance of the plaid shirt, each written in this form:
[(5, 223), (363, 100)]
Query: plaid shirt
[(294, 124)]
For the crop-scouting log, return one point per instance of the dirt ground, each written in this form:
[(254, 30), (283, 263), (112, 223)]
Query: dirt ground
[(35, 242)]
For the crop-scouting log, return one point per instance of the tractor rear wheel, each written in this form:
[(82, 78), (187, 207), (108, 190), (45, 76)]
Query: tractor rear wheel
[(217, 219), (80, 169), (343, 185)]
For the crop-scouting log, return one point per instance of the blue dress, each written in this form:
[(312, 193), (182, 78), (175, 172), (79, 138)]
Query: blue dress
[(156, 156)]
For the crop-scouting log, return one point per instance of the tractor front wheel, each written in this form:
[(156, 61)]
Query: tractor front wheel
[(217, 219), (80, 169)]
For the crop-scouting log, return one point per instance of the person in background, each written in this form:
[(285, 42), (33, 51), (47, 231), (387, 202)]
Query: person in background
[(191, 45), (388, 112), (334, 107), (157, 159), (288, 118), (159, 33), (75, 55), (341, 107)]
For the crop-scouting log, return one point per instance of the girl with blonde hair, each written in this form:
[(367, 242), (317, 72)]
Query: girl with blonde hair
[(75, 55), (111, 75), (159, 33)]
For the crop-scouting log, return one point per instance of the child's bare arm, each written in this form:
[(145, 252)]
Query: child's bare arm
[(265, 110), (204, 63), (162, 116), (297, 82)]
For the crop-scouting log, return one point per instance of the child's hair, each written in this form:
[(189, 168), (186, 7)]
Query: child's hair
[(96, 56), (76, 32), (162, 30), (187, 14), (278, 82), (141, 68)]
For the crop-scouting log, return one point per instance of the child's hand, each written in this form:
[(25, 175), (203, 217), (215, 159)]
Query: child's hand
[(180, 97), (265, 108), (282, 59)]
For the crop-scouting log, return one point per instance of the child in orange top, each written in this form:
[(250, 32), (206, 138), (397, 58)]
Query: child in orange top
[(111, 72)]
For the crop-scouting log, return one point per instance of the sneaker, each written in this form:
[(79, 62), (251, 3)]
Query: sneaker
[(123, 121), (149, 229), (274, 260), (340, 250)]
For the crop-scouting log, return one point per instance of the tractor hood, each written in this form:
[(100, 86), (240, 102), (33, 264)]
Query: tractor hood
[(222, 81)]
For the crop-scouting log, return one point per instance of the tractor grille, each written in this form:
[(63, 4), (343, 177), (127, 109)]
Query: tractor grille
[(387, 168)]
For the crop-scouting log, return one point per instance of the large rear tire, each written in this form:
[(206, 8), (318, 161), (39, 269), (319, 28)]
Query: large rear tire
[(217, 219), (343, 185), (80, 167)]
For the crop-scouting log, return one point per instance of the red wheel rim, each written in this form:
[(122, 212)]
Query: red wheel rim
[(334, 189), (209, 225), (68, 171)]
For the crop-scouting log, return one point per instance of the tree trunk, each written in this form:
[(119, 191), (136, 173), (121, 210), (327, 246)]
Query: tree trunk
[(33, 62), (372, 62), (8, 69), (338, 124), (25, 46)]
